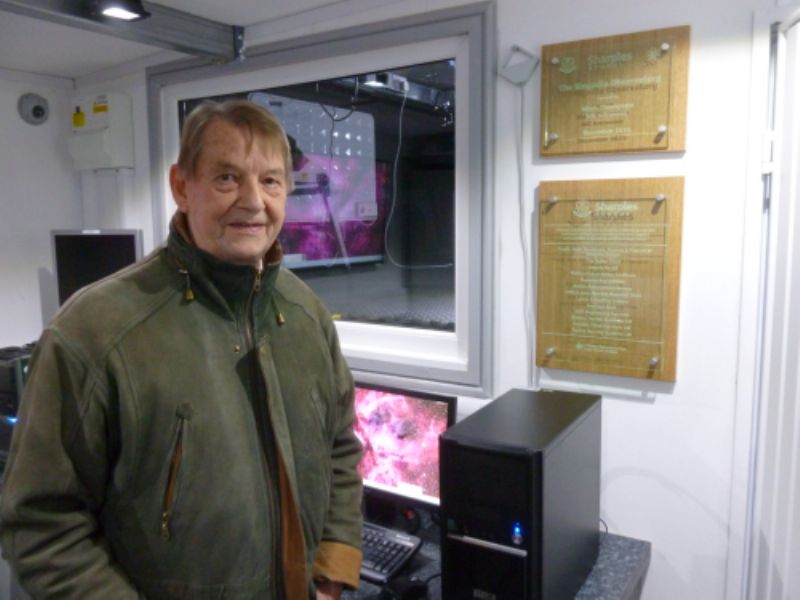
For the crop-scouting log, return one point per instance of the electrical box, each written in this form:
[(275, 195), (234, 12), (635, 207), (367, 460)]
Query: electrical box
[(102, 132)]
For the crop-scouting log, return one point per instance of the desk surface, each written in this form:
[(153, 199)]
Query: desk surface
[(618, 573)]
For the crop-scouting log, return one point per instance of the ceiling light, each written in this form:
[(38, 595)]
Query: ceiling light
[(166, 27), (120, 13), (127, 10)]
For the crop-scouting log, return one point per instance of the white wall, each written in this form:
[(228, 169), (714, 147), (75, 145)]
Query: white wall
[(40, 192), (123, 198), (667, 449)]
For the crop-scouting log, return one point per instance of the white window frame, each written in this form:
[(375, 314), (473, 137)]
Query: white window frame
[(453, 362)]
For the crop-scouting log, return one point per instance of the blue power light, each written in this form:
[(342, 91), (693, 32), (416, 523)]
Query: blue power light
[(516, 534), (11, 420)]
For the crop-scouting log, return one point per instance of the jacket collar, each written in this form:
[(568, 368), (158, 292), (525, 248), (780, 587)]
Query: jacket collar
[(217, 281)]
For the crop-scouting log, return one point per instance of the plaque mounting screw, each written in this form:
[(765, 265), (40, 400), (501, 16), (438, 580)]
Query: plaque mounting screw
[(654, 361), (665, 47), (550, 351), (552, 136), (660, 197), (552, 200), (555, 60), (662, 129)]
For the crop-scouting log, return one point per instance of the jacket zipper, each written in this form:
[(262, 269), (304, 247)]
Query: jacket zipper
[(259, 388), (172, 480), (248, 312)]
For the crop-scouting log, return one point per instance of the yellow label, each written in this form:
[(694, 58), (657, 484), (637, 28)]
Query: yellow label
[(78, 119), (99, 108)]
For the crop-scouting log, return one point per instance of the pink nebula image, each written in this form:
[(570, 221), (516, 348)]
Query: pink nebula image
[(400, 434)]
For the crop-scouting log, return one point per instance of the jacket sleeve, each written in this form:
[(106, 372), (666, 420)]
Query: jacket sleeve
[(55, 480), (339, 555)]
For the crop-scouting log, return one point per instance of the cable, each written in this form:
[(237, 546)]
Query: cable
[(430, 578), (517, 69), (333, 116), (604, 524), (337, 230), (526, 296), (394, 197)]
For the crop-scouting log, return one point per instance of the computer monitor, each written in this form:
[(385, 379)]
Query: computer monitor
[(400, 431), (333, 215), (83, 256)]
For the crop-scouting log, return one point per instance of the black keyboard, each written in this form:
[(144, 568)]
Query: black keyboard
[(385, 552)]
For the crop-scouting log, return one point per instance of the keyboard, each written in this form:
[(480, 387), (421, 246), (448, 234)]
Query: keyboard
[(386, 551)]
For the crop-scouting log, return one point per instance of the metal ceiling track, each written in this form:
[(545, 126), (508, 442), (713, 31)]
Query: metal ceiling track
[(165, 28)]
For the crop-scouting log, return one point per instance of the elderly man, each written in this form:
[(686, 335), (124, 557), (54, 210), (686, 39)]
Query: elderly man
[(187, 426)]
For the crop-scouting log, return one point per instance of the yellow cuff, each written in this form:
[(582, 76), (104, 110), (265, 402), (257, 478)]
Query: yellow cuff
[(338, 562)]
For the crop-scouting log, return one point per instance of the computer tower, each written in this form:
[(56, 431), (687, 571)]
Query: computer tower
[(13, 373), (520, 497)]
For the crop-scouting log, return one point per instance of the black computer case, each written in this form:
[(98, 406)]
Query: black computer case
[(520, 497), (13, 373)]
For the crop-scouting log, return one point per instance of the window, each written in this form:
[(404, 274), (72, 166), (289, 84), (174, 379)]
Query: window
[(388, 222), (370, 223)]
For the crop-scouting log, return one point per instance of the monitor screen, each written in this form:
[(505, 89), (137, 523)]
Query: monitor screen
[(400, 431), (84, 256), (336, 213), (333, 215)]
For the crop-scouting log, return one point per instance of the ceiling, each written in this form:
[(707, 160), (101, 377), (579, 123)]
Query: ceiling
[(45, 48)]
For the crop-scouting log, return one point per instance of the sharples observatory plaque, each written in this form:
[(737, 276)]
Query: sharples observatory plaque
[(622, 93), (609, 270)]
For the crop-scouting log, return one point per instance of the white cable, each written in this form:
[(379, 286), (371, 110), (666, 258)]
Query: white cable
[(337, 229), (394, 197), (519, 72), (526, 296)]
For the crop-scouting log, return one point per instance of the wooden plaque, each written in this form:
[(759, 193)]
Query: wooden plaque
[(609, 270), (623, 93)]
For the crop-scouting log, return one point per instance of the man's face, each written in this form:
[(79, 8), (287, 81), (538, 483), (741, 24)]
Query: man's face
[(235, 203)]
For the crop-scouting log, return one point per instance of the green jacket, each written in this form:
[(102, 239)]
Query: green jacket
[(185, 432)]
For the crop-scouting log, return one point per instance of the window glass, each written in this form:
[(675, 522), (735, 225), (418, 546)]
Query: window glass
[(396, 235), (370, 225)]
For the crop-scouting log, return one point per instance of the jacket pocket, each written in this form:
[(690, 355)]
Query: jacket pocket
[(183, 414)]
